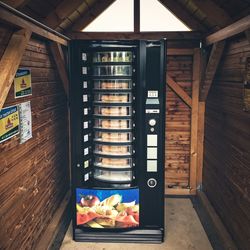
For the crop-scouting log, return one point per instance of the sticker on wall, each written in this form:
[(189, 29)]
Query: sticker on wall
[(22, 83), (25, 121), (9, 123), (102, 208)]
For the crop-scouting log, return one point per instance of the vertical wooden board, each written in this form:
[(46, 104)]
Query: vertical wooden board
[(194, 119), (200, 143)]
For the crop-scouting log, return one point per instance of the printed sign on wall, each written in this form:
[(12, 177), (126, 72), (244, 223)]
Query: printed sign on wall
[(25, 121), (22, 83), (9, 123)]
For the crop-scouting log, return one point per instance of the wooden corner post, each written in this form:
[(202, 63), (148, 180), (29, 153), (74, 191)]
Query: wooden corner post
[(195, 120)]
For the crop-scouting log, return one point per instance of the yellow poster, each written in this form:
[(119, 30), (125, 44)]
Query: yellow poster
[(9, 123), (22, 83)]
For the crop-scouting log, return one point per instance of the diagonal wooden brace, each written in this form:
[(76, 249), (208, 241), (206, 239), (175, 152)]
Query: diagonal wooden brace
[(10, 61)]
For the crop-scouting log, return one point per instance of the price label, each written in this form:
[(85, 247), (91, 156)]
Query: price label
[(85, 138), (84, 56), (85, 84), (85, 98), (86, 177), (85, 125), (85, 111), (84, 70), (86, 164), (86, 151)]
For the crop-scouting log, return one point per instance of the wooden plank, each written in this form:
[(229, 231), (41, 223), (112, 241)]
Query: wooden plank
[(178, 191), (179, 91), (10, 61), (136, 16), (17, 4), (60, 63), (183, 14), (224, 236), (219, 16), (194, 119), (211, 68), (63, 10), (229, 31), (17, 21), (201, 128), (171, 35), (62, 213), (179, 52), (247, 33), (92, 13)]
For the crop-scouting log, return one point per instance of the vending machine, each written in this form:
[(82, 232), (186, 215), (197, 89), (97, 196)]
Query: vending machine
[(117, 106)]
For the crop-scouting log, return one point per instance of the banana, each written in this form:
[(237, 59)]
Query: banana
[(122, 206), (112, 200), (94, 224)]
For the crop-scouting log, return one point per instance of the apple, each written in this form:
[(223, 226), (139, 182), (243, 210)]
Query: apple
[(89, 201)]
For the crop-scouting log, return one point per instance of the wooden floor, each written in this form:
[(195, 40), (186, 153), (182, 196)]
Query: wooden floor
[(183, 227)]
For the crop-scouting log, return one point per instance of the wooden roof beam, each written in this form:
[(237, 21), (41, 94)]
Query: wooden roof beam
[(10, 61), (231, 30), (213, 12), (179, 35), (63, 10), (247, 33), (183, 15), (93, 12), (179, 91), (19, 20), (211, 68), (17, 4)]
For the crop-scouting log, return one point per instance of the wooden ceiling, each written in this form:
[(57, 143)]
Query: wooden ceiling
[(73, 15)]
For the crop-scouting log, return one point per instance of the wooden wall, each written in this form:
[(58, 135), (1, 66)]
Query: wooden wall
[(178, 124), (34, 175), (226, 174)]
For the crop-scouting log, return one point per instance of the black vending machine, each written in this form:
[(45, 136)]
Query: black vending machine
[(117, 103)]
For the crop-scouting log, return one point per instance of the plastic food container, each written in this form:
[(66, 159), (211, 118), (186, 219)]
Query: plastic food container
[(113, 97), (114, 70), (113, 124), (113, 84), (123, 150), (113, 136), (112, 56), (116, 163), (113, 176), (113, 111)]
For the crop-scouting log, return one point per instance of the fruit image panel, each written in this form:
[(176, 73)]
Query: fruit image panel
[(98, 208)]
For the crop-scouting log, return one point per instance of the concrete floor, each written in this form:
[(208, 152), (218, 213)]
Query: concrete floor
[(184, 232)]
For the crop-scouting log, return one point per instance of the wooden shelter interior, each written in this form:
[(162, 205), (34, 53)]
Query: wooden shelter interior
[(207, 119)]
